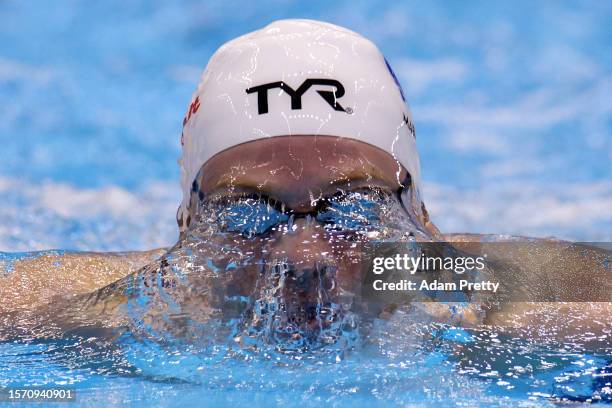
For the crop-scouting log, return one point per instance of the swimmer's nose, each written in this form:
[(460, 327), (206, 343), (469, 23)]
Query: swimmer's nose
[(308, 244), (304, 242)]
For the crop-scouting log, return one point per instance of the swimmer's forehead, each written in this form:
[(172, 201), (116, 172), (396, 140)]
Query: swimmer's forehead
[(300, 168)]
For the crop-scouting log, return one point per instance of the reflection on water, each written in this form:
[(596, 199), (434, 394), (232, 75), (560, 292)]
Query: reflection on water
[(256, 302)]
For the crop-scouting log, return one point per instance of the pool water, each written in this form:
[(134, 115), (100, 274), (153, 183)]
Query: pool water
[(446, 367)]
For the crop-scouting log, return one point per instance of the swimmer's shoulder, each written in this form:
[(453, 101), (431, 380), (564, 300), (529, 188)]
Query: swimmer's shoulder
[(560, 267), (534, 261), (30, 280), (487, 238)]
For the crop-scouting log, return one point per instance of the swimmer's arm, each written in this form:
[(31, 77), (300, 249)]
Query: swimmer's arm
[(561, 320), (30, 281)]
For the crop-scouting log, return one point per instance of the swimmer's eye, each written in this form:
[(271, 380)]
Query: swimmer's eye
[(255, 214), (250, 215), (356, 210)]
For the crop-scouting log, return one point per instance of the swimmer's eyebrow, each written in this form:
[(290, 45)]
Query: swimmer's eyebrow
[(345, 183), (349, 181), (362, 183), (236, 190), (373, 176)]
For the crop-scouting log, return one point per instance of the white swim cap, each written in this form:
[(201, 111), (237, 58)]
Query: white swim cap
[(296, 77)]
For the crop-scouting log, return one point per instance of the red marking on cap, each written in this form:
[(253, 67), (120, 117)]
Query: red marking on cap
[(193, 108)]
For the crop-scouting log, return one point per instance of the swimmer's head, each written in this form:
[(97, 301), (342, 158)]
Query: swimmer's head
[(298, 110)]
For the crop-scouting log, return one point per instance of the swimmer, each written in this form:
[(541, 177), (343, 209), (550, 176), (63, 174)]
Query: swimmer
[(298, 148)]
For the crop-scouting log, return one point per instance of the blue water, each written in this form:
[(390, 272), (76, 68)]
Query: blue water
[(513, 116), (482, 368)]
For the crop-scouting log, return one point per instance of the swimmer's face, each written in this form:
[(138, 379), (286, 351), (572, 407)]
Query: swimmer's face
[(291, 215), (302, 193)]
